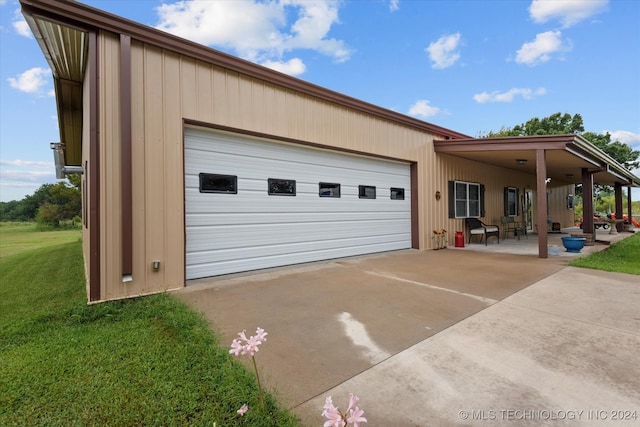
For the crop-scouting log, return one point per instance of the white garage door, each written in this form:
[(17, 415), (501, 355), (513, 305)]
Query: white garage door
[(253, 203)]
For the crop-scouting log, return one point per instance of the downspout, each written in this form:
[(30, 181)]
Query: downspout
[(125, 159), (93, 173)]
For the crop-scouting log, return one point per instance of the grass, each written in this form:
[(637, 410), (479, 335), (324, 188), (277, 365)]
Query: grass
[(622, 257), (17, 237), (147, 361)]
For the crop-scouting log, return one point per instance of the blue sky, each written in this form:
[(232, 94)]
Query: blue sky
[(469, 65)]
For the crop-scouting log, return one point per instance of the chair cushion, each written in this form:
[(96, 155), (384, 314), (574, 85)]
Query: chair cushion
[(477, 231), (491, 229)]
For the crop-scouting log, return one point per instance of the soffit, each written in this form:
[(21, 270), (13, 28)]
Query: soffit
[(66, 50)]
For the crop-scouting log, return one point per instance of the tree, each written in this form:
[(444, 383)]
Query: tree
[(562, 124), (62, 203), (622, 153), (555, 124)]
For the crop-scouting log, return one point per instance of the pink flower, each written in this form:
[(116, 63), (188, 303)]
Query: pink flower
[(236, 347), (356, 417), (334, 417), (243, 410), (244, 345)]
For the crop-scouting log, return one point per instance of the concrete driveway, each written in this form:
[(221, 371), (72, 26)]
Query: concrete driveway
[(423, 336)]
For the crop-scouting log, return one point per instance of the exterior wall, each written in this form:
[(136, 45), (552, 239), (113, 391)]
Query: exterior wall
[(447, 168), (168, 88)]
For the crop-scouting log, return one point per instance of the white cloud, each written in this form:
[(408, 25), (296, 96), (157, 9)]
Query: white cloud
[(444, 51), (394, 5), (26, 176), (20, 25), (509, 95), (26, 163), (19, 178), (568, 12), (31, 81), (540, 50), (293, 67), (255, 30), (626, 137), (423, 109)]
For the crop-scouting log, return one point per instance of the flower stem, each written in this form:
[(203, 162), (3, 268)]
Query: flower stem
[(255, 368)]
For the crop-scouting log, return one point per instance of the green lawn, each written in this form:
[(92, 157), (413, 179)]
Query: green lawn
[(16, 237), (146, 361), (622, 257)]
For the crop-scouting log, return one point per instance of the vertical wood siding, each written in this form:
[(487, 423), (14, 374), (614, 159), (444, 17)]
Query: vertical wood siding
[(168, 88)]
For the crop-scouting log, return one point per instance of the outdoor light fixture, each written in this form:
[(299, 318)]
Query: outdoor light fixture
[(521, 161)]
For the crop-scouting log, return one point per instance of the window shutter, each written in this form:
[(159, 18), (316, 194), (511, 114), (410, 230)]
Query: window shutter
[(452, 199), (517, 201), (506, 201), (482, 212)]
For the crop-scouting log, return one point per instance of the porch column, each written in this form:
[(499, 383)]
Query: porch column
[(587, 202), (629, 211), (541, 199), (619, 214)]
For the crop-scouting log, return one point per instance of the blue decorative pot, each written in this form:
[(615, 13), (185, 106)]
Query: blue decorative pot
[(573, 244)]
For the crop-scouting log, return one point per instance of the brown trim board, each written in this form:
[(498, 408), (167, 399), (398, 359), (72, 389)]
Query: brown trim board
[(93, 173), (125, 158)]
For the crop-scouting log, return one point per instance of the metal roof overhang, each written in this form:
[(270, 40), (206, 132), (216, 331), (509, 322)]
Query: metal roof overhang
[(566, 157), (65, 48)]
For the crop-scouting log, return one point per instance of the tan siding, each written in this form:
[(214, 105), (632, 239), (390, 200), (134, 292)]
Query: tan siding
[(172, 171), (110, 172), (167, 88)]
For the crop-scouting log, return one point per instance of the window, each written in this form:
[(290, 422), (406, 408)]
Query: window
[(366, 191), (511, 196), (281, 187), (216, 183), (465, 199), (327, 189), (397, 193)]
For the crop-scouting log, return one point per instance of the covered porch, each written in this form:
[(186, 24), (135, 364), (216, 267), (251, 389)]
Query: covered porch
[(566, 159), (529, 245)]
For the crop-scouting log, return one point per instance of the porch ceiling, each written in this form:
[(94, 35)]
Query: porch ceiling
[(566, 156)]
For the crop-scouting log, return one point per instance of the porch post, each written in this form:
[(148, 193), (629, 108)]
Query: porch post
[(629, 211), (541, 198), (587, 202), (619, 214)]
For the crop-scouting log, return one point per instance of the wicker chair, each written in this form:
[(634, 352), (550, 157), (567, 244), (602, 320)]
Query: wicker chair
[(479, 228)]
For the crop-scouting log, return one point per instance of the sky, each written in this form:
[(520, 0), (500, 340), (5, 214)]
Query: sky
[(472, 66)]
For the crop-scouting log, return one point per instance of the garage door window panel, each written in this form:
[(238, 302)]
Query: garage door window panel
[(281, 187), (217, 183), (366, 191), (327, 189), (397, 193)]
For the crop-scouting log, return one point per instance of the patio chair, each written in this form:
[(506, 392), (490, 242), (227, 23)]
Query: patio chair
[(510, 225), (479, 228)]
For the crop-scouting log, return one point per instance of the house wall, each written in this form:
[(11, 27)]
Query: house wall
[(168, 88)]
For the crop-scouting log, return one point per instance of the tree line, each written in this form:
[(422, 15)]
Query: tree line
[(52, 205)]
